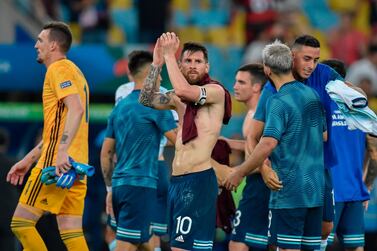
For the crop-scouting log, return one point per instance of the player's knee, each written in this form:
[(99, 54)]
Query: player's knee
[(67, 222), (20, 226), (326, 229), (239, 246)]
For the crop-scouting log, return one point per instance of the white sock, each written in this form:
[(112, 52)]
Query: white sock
[(112, 245), (323, 246)]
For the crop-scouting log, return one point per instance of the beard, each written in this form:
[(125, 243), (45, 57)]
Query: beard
[(39, 60), (194, 80)]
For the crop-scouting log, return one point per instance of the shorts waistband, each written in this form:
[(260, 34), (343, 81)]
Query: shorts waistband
[(191, 176)]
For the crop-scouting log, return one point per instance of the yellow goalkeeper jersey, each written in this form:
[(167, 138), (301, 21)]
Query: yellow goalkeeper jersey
[(63, 78)]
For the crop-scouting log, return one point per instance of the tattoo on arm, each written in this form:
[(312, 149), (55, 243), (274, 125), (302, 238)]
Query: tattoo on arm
[(64, 138), (108, 171), (150, 86), (372, 173), (165, 99), (372, 167)]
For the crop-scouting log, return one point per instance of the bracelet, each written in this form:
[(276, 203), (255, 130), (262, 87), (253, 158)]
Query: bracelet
[(109, 189)]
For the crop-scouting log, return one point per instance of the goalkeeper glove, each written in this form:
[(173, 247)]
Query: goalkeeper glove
[(82, 169), (67, 179), (48, 176)]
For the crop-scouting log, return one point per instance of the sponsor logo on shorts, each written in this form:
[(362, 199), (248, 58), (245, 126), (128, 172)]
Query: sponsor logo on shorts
[(44, 201), (65, 84), (28, 187), (180, 239)]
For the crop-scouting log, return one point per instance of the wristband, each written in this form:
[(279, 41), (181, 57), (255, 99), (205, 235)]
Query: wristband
[(109, 189)]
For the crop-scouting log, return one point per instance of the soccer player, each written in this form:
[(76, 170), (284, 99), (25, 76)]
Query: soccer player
[(251, 219), (350, 192), (160, 217), (306, 53), (202, 105), (65, 134), (293, 138), (133, 133)]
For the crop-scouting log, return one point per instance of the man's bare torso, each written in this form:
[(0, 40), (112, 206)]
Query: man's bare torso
[(195, 155)]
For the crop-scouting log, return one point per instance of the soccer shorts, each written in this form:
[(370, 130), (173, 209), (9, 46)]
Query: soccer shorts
[(251, 219), (349, 224), (296, 228), (159, 214), (192, 210), (328, 204), (51, 198), (132, 207)]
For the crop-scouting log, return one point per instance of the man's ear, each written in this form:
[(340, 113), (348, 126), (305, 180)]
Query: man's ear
[(207, 68), (267, 70), (257, 87), (54, 46)]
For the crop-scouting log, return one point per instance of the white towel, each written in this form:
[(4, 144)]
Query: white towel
[(353, 105)]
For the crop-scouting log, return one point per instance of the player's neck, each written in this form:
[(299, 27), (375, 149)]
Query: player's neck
[(138, 83), (280, 80), (252, 102), (54, 58)]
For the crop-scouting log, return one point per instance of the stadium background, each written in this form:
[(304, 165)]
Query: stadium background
[(105, 31)]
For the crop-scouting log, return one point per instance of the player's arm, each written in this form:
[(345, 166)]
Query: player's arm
[(206, 94), (269, 176), (151, 97), (372, 167), (221, 171), (254, 135), (72, 124), (256, 159), (171, 135), (235, 144), (108, 165), (107, 160), (17, 173), (34, 154), (210, 93), (261, 152)]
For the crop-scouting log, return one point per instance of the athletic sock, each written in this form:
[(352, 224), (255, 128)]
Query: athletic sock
[(323, 245), (74, 240), (27, 234)]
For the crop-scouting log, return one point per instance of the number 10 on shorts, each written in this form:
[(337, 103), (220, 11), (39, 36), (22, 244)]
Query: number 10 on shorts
[(183, 225)]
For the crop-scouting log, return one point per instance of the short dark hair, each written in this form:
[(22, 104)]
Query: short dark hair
[(255, 70), (306, 40), (337, 65), (60, 33), (137, 60), (194, 47)]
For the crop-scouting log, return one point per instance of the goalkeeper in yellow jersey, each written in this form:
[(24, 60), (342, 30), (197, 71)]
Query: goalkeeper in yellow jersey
[(65, 138)]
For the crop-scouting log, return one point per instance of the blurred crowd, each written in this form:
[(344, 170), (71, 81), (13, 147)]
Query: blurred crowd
[(346, 29)]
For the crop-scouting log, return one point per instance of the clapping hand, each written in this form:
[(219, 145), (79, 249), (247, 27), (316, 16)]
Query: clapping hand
[(169, 43)]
